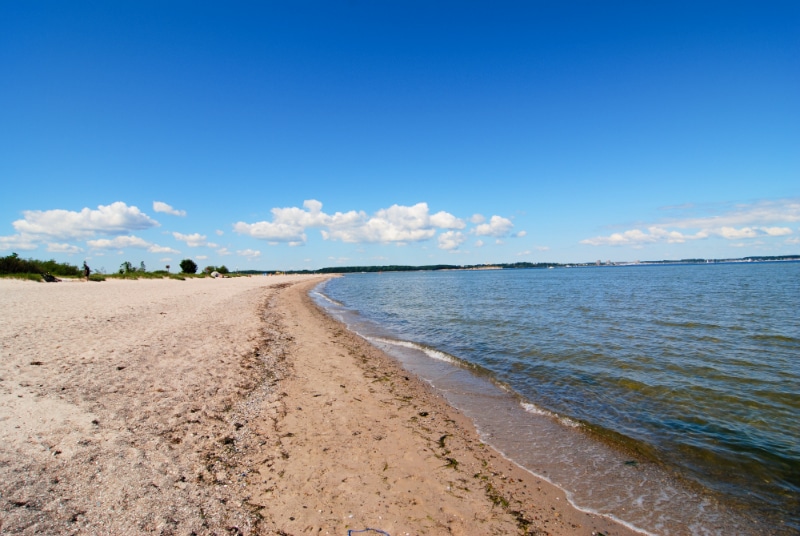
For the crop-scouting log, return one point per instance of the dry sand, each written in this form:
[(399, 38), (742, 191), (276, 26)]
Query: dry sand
[(235, 406)]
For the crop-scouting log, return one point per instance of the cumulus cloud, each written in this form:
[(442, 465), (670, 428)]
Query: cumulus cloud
[(249, 253), (119, 242), (445, 220), (287, 225), (497, 227), (129, 241), (194, 240), (63, 248), (637, 237), (158, 206), (399, 224), (451, 240), (17, 242), (155, 248), (116, 218)]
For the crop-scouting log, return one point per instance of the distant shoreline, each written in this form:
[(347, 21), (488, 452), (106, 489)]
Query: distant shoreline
[(521, 265)]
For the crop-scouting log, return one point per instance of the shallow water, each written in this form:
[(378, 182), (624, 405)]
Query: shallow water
[(665, 396)]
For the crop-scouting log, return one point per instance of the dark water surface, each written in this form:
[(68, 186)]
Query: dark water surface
[(665, 396)]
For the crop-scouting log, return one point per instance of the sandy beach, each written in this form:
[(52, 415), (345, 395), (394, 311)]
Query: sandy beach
[(235, 406)]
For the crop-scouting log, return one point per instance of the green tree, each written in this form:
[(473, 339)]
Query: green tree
[(223, 269), (188, 266), (126, 267)]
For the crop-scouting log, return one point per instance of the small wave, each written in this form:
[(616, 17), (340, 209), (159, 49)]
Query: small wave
[(776, 338), (323, 297), (689, 325), (536, 410), (427, 350)]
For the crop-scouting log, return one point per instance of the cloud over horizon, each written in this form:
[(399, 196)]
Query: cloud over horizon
[(737, 223), (397, 224), (116, 218)]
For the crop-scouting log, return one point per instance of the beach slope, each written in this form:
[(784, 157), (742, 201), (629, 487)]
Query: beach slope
[(235, 406)]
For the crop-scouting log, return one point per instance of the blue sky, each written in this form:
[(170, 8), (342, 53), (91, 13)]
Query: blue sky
[(292, 135)]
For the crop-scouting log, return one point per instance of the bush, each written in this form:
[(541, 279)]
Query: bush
[(13, 264), (188, 266)]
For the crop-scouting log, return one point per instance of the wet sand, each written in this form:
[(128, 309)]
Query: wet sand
[(235, 406)]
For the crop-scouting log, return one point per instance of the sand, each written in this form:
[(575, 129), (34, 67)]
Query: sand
[(235, 406)]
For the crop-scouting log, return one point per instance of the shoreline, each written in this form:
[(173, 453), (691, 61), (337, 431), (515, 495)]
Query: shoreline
[(237, 405)]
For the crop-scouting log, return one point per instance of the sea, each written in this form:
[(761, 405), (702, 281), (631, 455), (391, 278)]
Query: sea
[(664, 396)]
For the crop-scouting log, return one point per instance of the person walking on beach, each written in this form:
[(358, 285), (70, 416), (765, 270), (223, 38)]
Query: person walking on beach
[(86, 270)]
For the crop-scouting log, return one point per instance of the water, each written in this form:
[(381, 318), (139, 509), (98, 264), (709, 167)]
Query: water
[(667, 397)]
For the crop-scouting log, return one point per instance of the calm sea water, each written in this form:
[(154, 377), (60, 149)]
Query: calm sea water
[(665, 396)]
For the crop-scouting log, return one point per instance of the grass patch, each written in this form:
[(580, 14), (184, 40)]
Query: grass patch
[(24, 277)]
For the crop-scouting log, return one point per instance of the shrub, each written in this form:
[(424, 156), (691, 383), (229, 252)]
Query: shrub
[(188, 266), (13, 264)]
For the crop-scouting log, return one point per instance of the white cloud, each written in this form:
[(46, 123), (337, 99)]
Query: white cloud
[(17, 242), (543, 248), (776, 231), (759, 213), (219, 233), (194, 240), (394, 224), (735, 234), (477, 218), (741, 222), (445, 220), (249, 253), (158, 206), (479, 243), (397, 223), (201, 257), (129, 241), (119, 242), (155, 248), (287, 225), (521, 234), (63, 248), (223, 251), (451, 240), (656, 234), (115, 218), (497, 227)]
